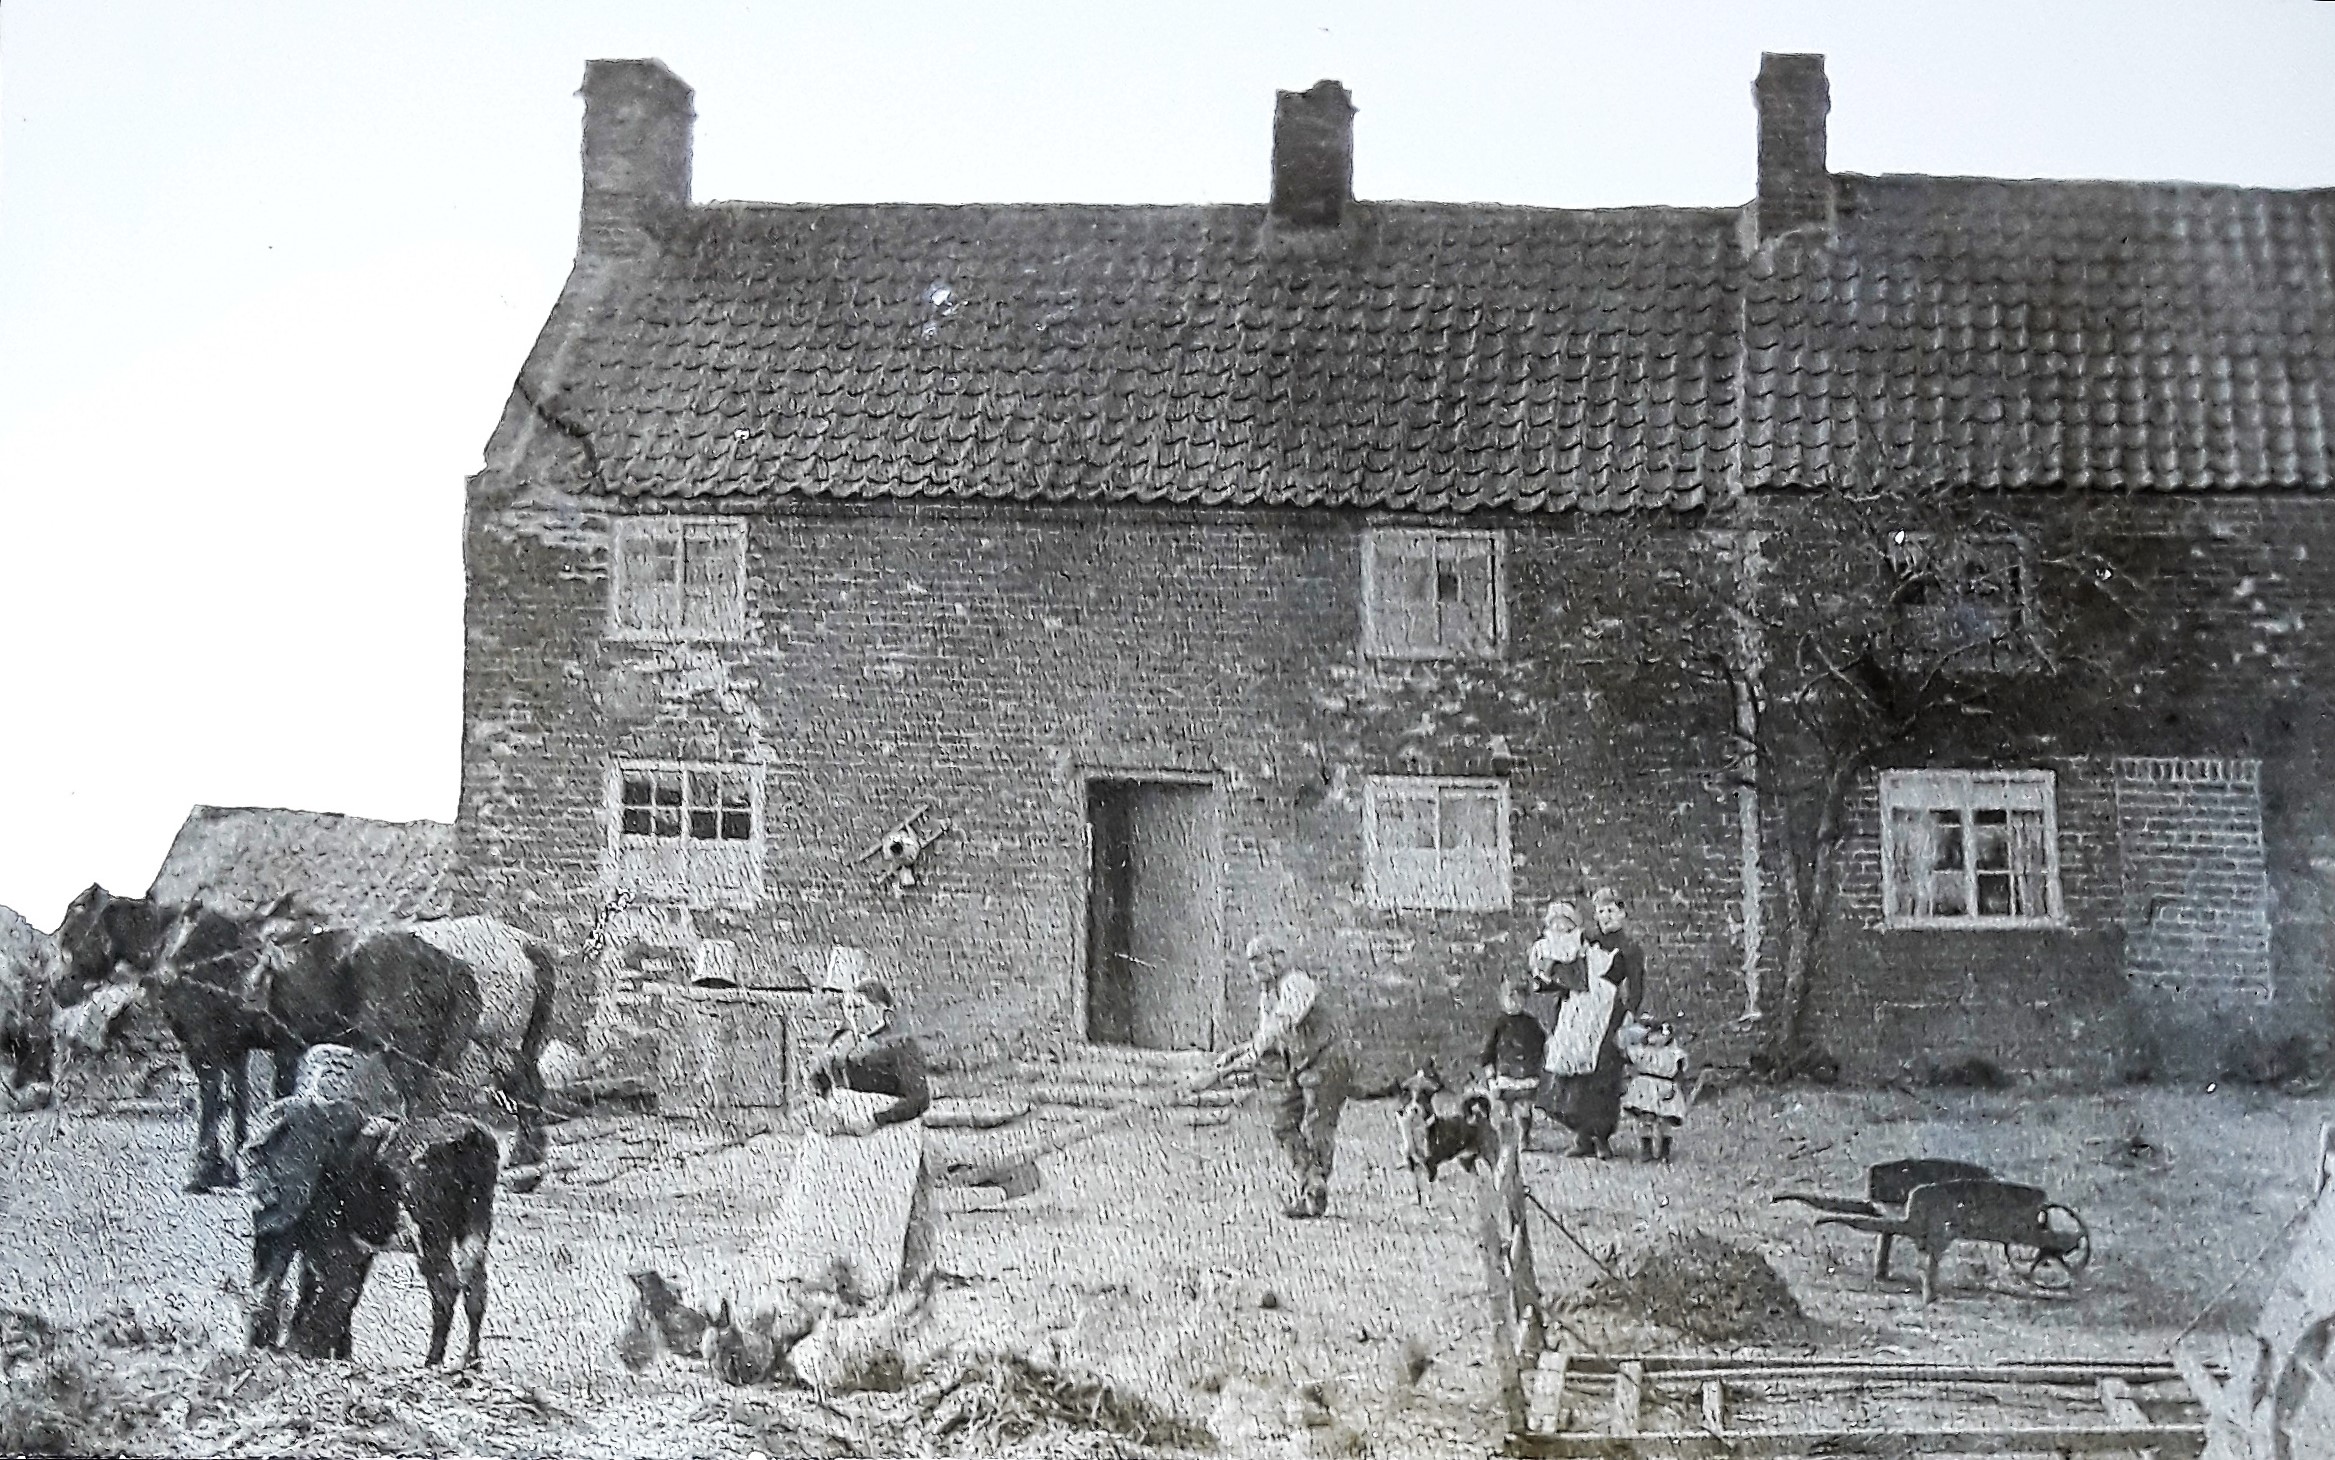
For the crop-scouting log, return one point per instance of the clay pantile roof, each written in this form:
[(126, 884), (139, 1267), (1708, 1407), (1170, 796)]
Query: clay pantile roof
[(348, 868), (1455, 358), (1965, 331), (1434, 356)]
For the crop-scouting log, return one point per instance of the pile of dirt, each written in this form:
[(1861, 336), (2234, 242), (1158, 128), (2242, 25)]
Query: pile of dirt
[(1701, 1285)]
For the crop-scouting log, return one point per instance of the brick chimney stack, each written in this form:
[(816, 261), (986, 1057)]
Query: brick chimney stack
[(637, 118), (1795, 187), (1313, 156)]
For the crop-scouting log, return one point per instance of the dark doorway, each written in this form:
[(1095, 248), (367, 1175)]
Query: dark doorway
[(1155, 967)]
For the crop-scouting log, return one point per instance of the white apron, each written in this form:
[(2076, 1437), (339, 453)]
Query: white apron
[(848, 1203)]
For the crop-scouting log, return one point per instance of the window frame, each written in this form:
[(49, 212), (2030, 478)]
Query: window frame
[(1387, 892), (1377, 629), (1940, 789), (721, 621), (2022, 646), (626, 856)]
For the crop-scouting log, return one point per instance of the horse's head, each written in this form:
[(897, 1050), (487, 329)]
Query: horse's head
[(101, 936)]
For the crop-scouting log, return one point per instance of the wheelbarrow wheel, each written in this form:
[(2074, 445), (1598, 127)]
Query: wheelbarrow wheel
[(2060, 1254)]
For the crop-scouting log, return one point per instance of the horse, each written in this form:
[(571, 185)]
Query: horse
[(432, 998), (103, 937)]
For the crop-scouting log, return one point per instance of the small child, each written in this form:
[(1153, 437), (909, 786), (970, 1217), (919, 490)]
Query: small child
[(1655, 1099), (1512, 1059)]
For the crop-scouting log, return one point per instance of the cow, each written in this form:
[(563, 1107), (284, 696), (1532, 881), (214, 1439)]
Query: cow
[(469, 997), (333, 1188)]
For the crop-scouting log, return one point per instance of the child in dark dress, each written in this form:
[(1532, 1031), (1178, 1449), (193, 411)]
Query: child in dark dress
[(1512, 1059)]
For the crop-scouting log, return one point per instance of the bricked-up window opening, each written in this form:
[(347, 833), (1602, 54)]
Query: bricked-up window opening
[(1967, 600), (679, 580), (1437, 844), (1432, 595), (1970, 849), (688, 831)]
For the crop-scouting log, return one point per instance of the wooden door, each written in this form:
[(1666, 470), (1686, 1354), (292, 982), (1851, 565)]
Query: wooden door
[(1156, 963)]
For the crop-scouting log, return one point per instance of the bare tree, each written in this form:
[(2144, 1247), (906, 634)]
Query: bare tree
[(1843, 628)]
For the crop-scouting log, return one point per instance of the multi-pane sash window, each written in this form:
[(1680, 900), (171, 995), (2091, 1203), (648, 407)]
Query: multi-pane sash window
[(1432, 595), (1969, 849), (691, 831), (679, 579), (1436, 843)]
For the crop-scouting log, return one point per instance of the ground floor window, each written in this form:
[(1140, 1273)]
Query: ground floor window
[(1969, 849), (1436, 843), (686, 830)]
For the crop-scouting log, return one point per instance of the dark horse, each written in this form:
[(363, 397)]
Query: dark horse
[(387, 990)]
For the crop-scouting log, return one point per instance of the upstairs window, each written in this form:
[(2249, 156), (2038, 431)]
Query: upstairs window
[(678, 579), (1436, 843), (1966, 600), (688, 831), (1432, 595), (1969, 849)]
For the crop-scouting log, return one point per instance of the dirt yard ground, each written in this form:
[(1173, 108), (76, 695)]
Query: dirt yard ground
[(1155, 1259)]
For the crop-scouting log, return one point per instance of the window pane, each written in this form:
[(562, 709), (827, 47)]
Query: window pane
[(736, 791), (1471, 821), (665, 823), (1994, 895), (2030, 862), (668, 788), (1404, 610), (1949, 895), (636, 821), (737, 826), (636, 790), (1912, 853), (1946, 830), (705, 826), (713, 580), (1990, 841), (1406, 822), (705, 788), (1466, 619)]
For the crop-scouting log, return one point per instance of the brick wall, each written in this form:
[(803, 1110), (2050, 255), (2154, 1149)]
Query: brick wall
[(2180, 719), (988, 661), (2196, 903)]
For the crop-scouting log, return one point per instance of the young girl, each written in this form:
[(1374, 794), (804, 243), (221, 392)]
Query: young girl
[(1656, 1098)]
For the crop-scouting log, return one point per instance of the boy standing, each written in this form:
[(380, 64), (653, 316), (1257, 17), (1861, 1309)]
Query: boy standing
[(1512, 1060)]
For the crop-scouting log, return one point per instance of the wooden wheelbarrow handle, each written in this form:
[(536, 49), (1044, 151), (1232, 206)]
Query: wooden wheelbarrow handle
[(1017, 1174)]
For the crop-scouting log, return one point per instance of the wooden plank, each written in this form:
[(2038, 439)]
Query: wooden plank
[(1552, 1387), (1629, 1393), (2122, 1409), (1499, 1296), (1780, 1371), (1715, 1407), (2175, 1440)]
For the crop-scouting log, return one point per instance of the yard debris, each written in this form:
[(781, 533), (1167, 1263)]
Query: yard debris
[(1700, 1285)]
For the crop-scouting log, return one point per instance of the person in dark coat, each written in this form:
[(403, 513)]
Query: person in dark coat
[(1512, 1059), (1590, 1105)]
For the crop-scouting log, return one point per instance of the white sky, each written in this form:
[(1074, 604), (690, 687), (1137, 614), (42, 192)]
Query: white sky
[(266, 271)]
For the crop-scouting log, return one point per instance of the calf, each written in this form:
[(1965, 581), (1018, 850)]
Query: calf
[(1432, 1139), (361, 1199)]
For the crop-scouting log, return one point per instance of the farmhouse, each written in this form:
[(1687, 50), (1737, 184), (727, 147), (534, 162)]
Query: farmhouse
[(1040, 599)]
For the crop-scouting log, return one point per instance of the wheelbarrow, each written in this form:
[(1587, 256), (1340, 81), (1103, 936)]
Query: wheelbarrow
[(1935, 1204)]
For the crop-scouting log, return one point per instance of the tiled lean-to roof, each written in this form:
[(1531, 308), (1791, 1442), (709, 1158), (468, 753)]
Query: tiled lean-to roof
[(2161, 336), (1457, 358)]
